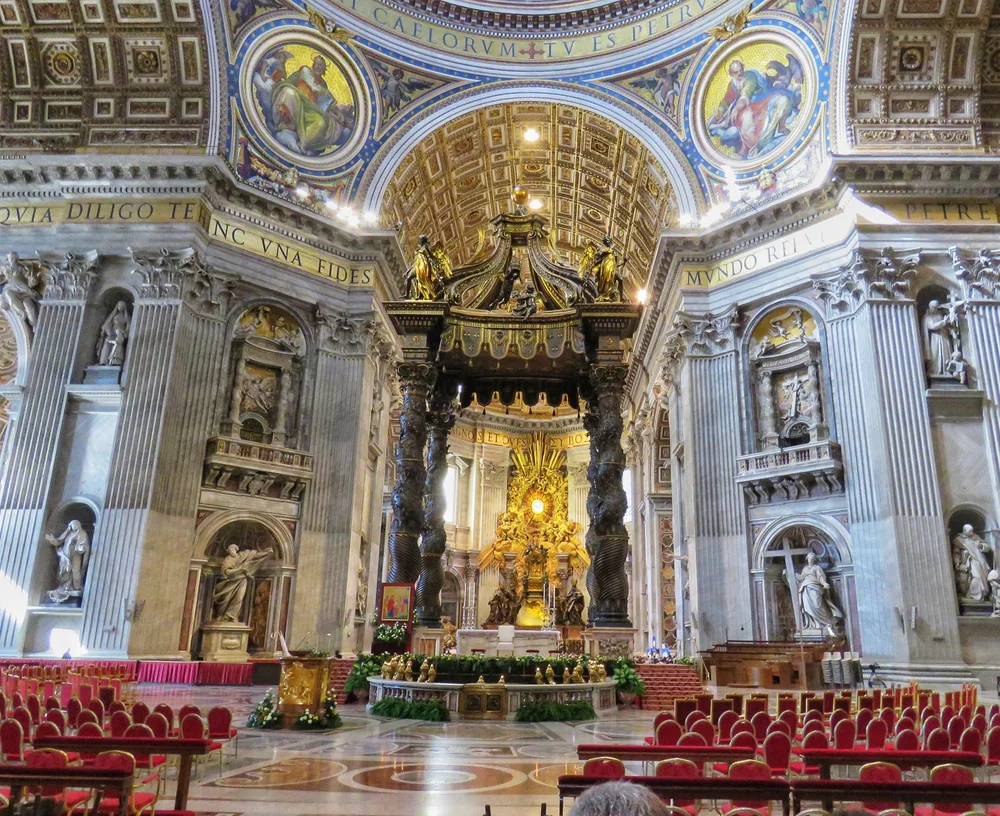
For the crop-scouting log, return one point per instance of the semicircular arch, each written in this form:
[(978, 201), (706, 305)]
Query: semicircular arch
[(830, 527), (215, 523)]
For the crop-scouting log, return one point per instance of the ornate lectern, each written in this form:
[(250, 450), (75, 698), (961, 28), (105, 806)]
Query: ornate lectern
[(304, 680)]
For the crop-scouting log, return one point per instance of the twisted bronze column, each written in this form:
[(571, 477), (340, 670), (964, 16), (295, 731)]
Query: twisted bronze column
[(440, 420), (416, 381), (607, 540)]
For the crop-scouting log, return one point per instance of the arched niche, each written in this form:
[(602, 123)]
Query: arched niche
[(786, 379), (46, 575), (9, 365), (451, 597), (266, 366), (782, 552), (974, 542), (102, 353), (939, 312), (265, 604)]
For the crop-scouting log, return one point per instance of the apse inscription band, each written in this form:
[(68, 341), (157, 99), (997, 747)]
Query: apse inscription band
[(542, 50)]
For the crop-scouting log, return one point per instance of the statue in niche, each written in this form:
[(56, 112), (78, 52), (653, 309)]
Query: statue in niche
[(972, 570), (114, 336), (943, 339), (19, 294), (73, 551), (994, 578), (573, 604), (816, 600), (238, 567), (361, 597)]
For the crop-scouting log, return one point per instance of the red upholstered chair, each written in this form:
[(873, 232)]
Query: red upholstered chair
[(167, 712), (145, 761), (979, 723), (57, 717), (994, 710), (52, 758), (742, 726), (754, 706), (692, 739), (993, 747), (52, 703), (786, 703), (668, 732), (812, 727), (876, 734), (866, 702), (704, 703), (828, 698), (836, 718), (158, 724), (604, 768), (744, 739), (34, 707), (703, 727), (3, 706), (692, 718), (726, 723), (909, 711), (50, 729), (929, 724), (23, 716), (220, 729), (680, 769), (888, 715), (904, 724), (965, 712), (84, 717), (760, 721), (907, 740), (947, 713), (791, 719), (780, 727), (777, 752), (89, 729), (12, 740), (139, 712), (118, 760), (938, 740), (684, 707), (749, 769), (661, 717), (119, 723), (95, 705), (845, 734), (861, 720), (720, 707), (843, 703), (880, 772), (812, 715), (947, 775), (73, 709), (193, 727), (971, 740), (815, 739), (16, 700), (994, 722), (737, 702), (116, 705), (955, 729), (187, 709)]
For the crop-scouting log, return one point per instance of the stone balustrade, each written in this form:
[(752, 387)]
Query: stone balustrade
[(256, 468), (786, 474)]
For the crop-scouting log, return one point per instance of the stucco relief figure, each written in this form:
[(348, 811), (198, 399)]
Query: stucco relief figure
[(943, 340), (994, 578), (361, 598), (526, 303), (816, 600), (503, 606), (449, 640), (972, 569), (19, 294), (114, 336), (73, 551), (238, 567), (574, 606)]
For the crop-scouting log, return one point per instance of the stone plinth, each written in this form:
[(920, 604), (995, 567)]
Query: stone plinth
[(303, 685), (225, 642), (541, 640), (609, 641)]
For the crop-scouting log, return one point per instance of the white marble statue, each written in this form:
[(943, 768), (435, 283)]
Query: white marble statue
[(972, 569), (114, 336), (942, 339), (19, 294), (816, 601), (238, 567), (73, 551), (361, 599)]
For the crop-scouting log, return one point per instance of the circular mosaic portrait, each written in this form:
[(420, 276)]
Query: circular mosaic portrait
[(757, 100), (303, 99)]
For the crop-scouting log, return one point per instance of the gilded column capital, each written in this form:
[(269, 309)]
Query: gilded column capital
[(978, 272), (705, 335), (870, 275), (68, 276), (344, 334)]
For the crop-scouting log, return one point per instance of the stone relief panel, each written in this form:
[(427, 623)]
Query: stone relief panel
[(668, 588)]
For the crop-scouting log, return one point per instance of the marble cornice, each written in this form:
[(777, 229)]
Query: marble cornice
[(881, 176)]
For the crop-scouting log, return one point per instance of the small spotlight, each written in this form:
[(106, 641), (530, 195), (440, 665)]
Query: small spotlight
[(353, 220), (532, 135), (370, 217), (642, 295), (536, 204)]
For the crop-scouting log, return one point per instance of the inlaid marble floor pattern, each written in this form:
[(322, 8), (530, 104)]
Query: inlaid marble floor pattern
[(376, 767)]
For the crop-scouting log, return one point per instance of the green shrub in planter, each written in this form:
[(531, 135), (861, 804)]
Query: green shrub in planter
[(550, 711), (628, 681), (364, 667), (399, 709)]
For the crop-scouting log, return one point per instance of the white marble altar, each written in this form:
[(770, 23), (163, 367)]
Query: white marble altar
[(541, 640)]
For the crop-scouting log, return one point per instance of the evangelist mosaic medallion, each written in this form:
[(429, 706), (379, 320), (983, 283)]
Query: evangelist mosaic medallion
[(756, 101)]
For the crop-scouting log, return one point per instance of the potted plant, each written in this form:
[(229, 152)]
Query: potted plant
[(390, 635), (357, 681), (629, 684)]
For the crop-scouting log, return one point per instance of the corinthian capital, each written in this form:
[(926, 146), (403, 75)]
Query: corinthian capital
[(978, 272), (705, 335), (344, 334), (68, 277), (180, 273), (884, 275)]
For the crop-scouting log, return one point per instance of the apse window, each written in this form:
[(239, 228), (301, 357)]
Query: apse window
[(450, 494), (627, 487)]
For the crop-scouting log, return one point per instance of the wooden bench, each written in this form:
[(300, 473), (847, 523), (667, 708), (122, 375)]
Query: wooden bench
[(829, 791), (826, 758), (186, 749), (19, 777), (718, 787), (636, 752)]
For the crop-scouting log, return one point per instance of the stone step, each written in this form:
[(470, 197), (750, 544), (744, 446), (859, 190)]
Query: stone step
[(666, 683)]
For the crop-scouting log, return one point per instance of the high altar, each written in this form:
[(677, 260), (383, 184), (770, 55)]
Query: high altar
[(515, 325)]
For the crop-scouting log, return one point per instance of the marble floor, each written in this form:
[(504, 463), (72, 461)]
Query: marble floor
[(376, 767)]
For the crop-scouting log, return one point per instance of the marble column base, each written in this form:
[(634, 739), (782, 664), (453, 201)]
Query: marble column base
[(610, 641), (225, 642)]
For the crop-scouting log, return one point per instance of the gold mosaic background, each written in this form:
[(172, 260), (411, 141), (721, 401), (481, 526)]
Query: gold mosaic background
[(587, 170)]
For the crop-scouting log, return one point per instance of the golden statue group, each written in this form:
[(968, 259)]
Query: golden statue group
[(536, 549)]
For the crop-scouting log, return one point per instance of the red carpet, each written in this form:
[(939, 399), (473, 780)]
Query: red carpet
[(339, 669), (666, 683)]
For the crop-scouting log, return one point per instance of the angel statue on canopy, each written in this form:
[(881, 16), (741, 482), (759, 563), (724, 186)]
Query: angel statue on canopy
[(431, 268), (601, 266)]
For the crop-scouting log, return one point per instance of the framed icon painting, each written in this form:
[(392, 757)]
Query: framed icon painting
[(396, 605)]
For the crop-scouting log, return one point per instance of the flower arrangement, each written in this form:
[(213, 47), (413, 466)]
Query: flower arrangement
[(391, 633), (265, 713), (328, 718)]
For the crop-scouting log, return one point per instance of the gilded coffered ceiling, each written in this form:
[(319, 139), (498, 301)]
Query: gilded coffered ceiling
[(591, 177), (102, 75)]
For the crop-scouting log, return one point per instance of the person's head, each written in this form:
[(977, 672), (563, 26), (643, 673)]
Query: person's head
[(319, 66), (619, 799), (736, 69), (232, 549), (811, 559), (968, 529), (74, 525), (933, 306)]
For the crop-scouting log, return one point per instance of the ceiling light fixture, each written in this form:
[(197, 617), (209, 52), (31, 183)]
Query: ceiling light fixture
[(532, 135), (536, 204), (642, 295)]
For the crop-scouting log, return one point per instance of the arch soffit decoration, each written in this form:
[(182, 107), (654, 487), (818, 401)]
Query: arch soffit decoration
[(213, 524), (792, 301), (304, 321), (827, 525)]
